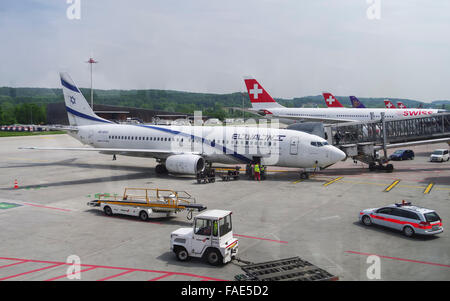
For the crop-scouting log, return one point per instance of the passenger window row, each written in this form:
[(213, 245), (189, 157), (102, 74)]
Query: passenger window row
[(146, 138), (139, 138)]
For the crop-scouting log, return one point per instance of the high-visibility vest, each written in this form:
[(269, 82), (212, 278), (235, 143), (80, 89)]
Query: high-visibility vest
[(256, 168), (215, 228)]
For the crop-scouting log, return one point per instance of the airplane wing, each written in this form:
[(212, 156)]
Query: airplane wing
[(153, 153), (309, 118)]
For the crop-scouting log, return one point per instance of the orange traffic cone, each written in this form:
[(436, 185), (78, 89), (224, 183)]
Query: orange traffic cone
[(16, 186)]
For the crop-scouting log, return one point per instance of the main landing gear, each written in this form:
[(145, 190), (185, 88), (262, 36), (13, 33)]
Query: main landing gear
[(161, 169), (304, 175)]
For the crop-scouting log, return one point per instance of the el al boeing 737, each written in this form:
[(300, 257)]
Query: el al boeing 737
[(187, 149)]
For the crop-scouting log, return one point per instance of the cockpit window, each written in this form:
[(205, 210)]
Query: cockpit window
[(318, 144)]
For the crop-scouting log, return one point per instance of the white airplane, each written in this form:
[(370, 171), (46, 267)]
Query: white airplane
[(187, 149), (264, 104)]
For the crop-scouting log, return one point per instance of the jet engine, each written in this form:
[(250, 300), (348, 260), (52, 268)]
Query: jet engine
[(185, 164)]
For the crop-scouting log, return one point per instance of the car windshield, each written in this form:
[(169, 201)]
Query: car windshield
[(437, 152), (432, 217), (398, 152), (203, 227)]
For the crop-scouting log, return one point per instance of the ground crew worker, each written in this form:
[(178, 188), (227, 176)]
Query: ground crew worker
[(263, 175), (215, 229), (257, 171)]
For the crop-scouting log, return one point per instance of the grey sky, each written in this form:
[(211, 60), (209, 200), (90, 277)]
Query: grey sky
[(293, 47)]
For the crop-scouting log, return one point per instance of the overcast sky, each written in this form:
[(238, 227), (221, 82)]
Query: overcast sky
[(293, 47)]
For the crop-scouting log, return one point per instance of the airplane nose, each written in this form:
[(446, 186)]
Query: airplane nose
[(338, 155)]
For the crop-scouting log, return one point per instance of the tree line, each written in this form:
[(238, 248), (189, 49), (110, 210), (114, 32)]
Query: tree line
[(26, 105), (25, 113)]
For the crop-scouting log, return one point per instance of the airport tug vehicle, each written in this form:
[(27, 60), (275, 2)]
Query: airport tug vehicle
[(147, 203), (210, 238)]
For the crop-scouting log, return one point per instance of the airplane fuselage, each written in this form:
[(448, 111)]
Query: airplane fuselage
[(348, 114), (228, 145)]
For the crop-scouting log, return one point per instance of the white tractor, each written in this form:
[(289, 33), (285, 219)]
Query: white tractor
[(211, 238)]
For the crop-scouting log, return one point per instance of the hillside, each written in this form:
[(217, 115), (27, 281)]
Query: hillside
[(22, 101)]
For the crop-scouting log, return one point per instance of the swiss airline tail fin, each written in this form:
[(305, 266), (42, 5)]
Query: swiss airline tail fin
[(331, 101), (400, 105), (258, 96), (356, 103), (389, 104)]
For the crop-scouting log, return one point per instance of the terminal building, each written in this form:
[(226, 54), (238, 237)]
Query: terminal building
[(57, 114)]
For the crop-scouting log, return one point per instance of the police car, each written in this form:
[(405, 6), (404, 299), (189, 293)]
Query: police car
[(405, 217)]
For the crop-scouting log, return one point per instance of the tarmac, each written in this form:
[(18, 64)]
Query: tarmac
[(46, 220)]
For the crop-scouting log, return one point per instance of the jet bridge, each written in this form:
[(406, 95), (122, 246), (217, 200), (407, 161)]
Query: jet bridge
[(362, 141)]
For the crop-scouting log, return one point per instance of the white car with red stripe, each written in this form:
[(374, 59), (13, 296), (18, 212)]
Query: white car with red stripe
[(404, 217)]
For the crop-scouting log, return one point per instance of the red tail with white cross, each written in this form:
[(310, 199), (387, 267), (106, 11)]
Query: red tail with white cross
[(331, 101), (389, 105), (258, 96), (401, 105)]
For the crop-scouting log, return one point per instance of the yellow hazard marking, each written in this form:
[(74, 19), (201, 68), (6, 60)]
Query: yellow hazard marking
[(427, 190), (392, 185), (332, 181)]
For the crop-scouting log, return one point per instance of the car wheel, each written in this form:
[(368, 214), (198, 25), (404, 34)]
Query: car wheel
[(214, 257), (366, 220), (108, 211), (408, 231), (182, 254), (143, 216)]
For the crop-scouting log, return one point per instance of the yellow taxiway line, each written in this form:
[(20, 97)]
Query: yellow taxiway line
[(389, 188)]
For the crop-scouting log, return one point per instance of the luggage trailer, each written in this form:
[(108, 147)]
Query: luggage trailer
[(147, 203)]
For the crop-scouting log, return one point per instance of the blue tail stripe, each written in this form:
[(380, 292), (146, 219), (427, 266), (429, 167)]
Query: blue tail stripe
[(69, 86), (76, 113)]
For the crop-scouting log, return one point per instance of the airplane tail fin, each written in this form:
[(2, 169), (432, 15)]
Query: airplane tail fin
[(356, 103), (331, 101), (389, 104), (400, 105), (258, 95), (78, 110)]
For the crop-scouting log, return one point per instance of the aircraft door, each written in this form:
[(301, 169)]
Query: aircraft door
[(90, 137), (294, 146)]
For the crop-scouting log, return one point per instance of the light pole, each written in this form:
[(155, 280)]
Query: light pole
[(90, 62)]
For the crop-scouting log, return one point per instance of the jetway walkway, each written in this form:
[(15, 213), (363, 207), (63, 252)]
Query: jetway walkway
[(362, 140)]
